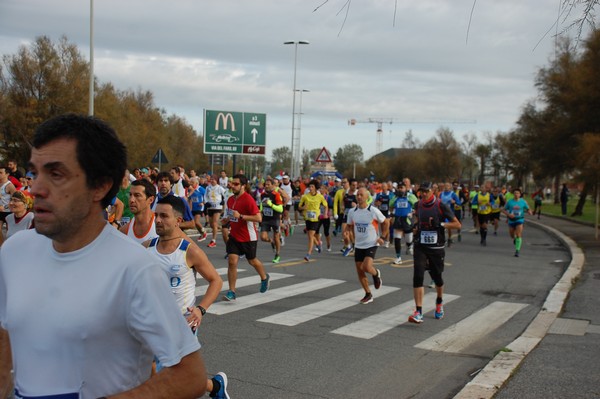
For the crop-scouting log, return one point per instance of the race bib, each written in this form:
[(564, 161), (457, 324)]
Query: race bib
[(517, 213), (268, 211), (482, 207), (383, 207), (230, 215), (403, 204), (429, 237), (311, 214)]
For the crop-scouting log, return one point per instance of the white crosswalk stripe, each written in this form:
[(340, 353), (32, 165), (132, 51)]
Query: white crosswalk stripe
[(243, 282), (453, 339), (457, 337), (306, 313), (248, 301), (379, 323)]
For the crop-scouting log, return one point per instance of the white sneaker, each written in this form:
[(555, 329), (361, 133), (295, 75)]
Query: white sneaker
[(432, 284), (386, 244), (398, 261), (410, 250)]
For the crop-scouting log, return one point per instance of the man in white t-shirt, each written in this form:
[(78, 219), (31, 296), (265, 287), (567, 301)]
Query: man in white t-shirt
[(364, 221), (95, 308)]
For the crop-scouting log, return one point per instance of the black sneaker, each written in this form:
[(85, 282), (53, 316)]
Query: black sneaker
[(368, 298), (377, 280)]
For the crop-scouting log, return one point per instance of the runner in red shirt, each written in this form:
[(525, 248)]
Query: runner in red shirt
[(242, 214)]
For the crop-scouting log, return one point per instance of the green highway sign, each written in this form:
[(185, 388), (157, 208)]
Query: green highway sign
[(227, 132)]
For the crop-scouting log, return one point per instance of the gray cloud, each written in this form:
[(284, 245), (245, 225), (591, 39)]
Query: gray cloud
[(230, 55)]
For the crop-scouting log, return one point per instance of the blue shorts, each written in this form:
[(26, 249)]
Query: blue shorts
[(515, 223)]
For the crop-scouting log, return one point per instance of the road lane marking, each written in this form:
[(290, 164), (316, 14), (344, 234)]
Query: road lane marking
[(303, 314), (242, 282), (459, 336), (248, 301), (379, 323)]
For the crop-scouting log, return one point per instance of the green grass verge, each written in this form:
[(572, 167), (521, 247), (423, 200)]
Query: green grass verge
[(549, 208)]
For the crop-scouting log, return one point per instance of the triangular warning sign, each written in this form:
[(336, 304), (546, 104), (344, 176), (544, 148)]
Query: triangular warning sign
[(323, 156)]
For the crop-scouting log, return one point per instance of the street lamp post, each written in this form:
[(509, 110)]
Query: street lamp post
[(91, 89), (295, 43), (296, 155)]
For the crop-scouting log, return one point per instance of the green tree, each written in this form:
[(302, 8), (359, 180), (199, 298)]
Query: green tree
[(347, 157), (39, 82), (280, 159)]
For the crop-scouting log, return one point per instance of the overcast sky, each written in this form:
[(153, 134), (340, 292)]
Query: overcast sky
[(229, 55)]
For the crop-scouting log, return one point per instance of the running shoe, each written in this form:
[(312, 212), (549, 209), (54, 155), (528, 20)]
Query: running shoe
[(212, 244), (318, 248), (439, 311), (347, 251), (229, 296), (264, 284), (516, 254), (334, 232), (329, 248), (368, 298), (352, 249), (307, 258), (202, 237), (386, 244), (495, 233), (377, 280), (291, 229), (432, 284), (282, 240), (410, 250), (276, 259), (221, 378), (398, 261), (416, 317), (459, 237)]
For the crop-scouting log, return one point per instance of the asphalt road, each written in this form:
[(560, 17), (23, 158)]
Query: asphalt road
[(309, 336)]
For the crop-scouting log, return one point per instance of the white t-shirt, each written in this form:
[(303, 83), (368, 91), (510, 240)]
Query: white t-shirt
[(87, 321), (214, 196), (13, 226), (366, 225)]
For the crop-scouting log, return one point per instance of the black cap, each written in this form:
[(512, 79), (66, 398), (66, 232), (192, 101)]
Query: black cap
[(426, 185)]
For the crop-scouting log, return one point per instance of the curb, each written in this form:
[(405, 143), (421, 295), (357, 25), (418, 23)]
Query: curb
[(493, 376)]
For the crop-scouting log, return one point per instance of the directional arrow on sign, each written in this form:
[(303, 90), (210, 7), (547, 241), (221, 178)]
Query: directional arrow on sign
[(254, 132)]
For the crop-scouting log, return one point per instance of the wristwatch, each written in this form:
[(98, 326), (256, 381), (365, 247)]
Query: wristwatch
[(202, 310)]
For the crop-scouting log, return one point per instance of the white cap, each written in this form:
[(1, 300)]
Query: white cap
[(338, 179), (285, 177)]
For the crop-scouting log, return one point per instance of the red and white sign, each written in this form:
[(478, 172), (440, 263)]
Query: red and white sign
[(323, 156)]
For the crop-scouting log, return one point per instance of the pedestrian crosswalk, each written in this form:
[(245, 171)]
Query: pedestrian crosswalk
[(452, 339), (379, 323)]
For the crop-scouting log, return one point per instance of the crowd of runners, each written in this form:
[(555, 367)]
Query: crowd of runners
[(158, 209)]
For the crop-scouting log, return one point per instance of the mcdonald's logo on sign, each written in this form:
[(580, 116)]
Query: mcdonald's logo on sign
[(224, 119)]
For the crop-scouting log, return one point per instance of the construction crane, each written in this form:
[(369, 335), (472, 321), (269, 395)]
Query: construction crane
[(389, 121)]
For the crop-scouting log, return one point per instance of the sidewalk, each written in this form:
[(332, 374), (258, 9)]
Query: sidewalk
[(558, 355)]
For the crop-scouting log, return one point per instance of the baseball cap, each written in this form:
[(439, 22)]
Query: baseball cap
[(285, 177), (338, 179)]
